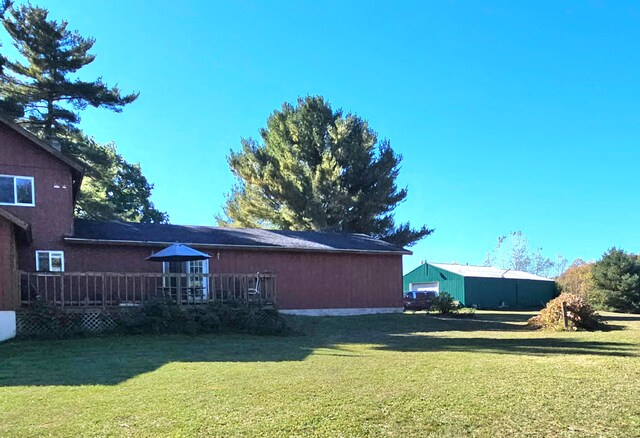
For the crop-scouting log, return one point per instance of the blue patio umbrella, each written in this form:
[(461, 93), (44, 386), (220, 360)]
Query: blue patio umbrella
[(178, 253)]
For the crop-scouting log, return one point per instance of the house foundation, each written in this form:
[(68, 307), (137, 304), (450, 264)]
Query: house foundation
[(342, 312), (7, 324)]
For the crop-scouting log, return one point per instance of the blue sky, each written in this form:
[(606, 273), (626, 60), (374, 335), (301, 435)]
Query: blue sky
[(509, 115)]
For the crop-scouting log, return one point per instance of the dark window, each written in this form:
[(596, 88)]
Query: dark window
[(6, 190), (43, 261), (24, 191), (16, 190)]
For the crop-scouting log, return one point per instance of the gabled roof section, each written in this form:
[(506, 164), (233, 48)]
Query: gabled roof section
[(128, 233), (23, 227), (42, 144), (14, 219), (76, 168), (488, 272), (417, 268)]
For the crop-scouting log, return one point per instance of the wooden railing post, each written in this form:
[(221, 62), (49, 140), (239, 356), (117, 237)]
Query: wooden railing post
[(179, 289), (104, 289), (60, 289), (20, 290), (29, 288)]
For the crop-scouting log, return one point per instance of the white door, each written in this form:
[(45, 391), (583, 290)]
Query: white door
[(433, 286), (199, 280), (205, 280), (197, 268)]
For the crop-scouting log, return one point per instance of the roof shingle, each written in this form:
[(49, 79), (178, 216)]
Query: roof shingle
[(129, 232)]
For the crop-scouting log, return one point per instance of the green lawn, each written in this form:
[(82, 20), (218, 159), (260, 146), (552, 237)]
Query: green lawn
[(398, 375)]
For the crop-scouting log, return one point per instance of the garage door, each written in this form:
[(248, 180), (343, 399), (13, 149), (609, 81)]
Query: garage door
[(433, 286)]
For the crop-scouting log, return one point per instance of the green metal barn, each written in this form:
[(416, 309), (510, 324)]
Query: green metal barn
[(482, 286)]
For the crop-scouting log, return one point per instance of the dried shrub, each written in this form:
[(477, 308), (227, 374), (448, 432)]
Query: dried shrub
[(580, 315)]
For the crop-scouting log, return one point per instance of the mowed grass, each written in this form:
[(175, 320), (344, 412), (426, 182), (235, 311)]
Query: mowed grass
[(381, 375)]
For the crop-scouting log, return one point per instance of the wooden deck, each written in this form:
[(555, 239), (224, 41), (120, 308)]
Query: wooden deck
[(76, 290)]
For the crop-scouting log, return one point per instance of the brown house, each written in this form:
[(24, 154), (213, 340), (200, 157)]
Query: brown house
[(46, 254)]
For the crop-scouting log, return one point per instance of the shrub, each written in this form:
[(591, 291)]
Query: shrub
[(444, 303), (155, 316), (579, 314), (617, 278), (259, 321), (49, 322), (161, 316)]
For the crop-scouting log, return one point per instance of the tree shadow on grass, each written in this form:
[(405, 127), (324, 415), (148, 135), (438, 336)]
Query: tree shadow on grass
[(433, 333), (114, 360), (538, 346), (621, 318)]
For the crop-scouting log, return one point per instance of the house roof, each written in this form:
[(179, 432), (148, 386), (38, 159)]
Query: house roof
[(76, 167), (128, 233), (488, 272)]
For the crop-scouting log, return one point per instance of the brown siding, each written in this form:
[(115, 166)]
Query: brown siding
[(52, 216), (304, 280), (8, 266)]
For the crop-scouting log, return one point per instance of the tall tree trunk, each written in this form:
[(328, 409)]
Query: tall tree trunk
[(48, 127)]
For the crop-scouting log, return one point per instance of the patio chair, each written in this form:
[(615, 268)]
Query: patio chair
[(254, 292)]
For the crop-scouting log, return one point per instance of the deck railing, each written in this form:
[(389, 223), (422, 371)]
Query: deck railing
[(111, 289)]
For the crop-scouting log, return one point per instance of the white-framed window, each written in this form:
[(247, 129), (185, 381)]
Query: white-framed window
[(50, 261), (17, 190)]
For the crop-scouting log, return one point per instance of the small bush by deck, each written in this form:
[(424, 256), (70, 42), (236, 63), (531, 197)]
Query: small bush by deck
[(156, 316)]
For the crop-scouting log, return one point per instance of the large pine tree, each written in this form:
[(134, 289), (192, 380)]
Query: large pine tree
[(42, 93), (318, 169), (50, 97), (8, 104)]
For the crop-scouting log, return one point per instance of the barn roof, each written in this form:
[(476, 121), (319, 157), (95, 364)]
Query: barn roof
[(129, 233), (487, 272)]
